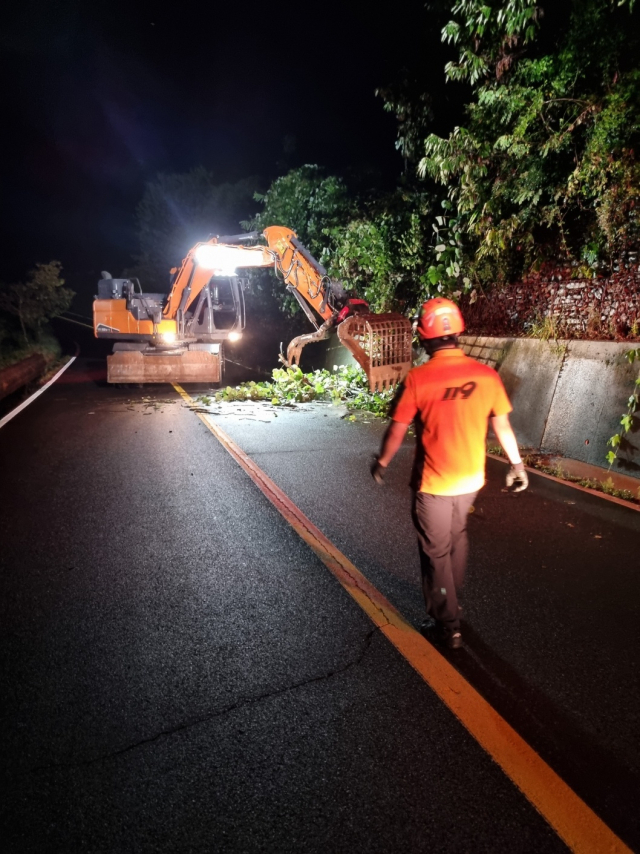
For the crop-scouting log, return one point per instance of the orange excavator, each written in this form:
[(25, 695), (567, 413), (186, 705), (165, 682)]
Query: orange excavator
[(180, 337)]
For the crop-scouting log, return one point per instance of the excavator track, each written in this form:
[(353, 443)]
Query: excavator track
[(187, 366)]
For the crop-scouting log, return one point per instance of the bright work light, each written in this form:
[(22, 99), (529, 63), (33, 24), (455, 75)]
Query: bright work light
[(235, 336), (219, 258), (225, 259)]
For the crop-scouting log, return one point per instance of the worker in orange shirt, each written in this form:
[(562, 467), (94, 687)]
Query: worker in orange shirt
[(453, 399)]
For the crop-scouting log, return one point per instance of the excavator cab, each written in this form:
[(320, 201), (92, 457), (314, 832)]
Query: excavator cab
[(225, 298), (219, 308), (150, 347)]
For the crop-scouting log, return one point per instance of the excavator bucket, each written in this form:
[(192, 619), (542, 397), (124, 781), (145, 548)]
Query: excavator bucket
[(381, 344)]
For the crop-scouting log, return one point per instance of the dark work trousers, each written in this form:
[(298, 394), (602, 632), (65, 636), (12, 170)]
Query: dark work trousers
[(441, 523)]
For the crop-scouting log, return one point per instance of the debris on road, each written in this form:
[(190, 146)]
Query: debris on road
[(345, 384)]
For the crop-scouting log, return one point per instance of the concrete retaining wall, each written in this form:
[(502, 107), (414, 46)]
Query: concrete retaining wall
[(567, 396)]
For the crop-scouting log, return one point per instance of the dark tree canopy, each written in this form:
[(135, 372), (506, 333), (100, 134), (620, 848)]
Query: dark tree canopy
[(546, 166), (181, 209), (39, 298)]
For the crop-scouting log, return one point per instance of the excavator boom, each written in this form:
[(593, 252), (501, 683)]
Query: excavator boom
[(302, 274), (380, 343)]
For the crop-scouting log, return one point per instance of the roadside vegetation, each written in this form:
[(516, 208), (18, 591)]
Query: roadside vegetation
[(543, 168), (25, 309), (540, 462), (619, 439)]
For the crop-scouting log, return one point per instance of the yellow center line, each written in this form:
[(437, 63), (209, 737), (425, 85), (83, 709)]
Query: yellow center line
[(577, 825)]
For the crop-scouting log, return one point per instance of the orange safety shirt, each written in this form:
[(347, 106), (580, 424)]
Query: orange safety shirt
[(453, 396)]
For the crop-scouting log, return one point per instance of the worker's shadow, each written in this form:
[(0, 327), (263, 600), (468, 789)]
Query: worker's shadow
[(609, 787)]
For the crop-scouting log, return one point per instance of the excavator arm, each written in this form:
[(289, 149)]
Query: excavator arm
[(380, 343), (307, 280), (301, 273), (305, 277)]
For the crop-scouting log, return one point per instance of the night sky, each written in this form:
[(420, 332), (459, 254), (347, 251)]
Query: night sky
[(98, 97)]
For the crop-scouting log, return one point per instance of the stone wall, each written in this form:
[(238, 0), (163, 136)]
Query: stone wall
[(569, 306)]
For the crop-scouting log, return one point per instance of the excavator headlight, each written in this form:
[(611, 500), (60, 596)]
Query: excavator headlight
[(224, 260), (235, 336), (217, 258), (168, 337)]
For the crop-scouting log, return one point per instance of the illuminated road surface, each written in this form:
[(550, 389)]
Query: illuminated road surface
[(182, 673)]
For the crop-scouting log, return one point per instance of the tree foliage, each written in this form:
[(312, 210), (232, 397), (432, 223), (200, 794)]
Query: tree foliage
[(311, 203), (544, 166), (345, 383), (408, 101), (547, 165), (379, 245), (38, 299), (307, 201), (489, 36), (384, 250)]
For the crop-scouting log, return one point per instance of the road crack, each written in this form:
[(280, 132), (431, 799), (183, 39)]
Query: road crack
[(204, 719)]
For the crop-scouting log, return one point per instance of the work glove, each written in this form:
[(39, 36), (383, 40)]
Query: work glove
[(377, 472), (518, 476)]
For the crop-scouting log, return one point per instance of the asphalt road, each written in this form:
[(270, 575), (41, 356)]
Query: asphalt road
[(181, 673)]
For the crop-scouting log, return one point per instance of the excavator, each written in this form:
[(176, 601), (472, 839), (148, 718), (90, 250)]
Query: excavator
[(180, 337)]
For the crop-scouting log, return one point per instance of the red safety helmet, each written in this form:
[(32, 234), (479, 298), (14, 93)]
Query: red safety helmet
[(439, 317)]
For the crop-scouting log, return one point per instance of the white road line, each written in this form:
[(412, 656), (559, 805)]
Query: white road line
[(29, 400)]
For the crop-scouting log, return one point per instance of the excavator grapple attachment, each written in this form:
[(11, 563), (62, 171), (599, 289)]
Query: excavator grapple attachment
[(294, 350), (381, 344)]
